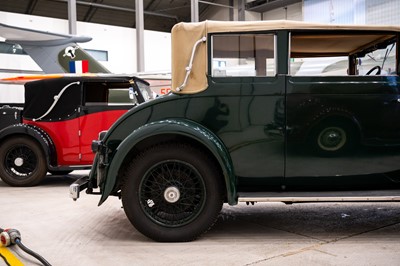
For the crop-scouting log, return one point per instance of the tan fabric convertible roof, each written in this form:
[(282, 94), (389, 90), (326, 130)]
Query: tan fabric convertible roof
[(185, 35)]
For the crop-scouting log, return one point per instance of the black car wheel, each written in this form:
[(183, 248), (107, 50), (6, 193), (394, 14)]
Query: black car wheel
[(22, 162), (172, 192)]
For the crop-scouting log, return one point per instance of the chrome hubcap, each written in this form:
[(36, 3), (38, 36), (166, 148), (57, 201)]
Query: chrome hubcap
[(19, 161), (172, 194)]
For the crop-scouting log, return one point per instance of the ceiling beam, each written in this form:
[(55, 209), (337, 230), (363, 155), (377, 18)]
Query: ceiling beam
[(31, 7), (120, 9), (268, 5), (91, 11)]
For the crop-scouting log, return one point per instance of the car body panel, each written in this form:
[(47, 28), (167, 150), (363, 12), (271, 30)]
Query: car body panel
[(182, 127), (369, 103), (268, 123), (71, 110)]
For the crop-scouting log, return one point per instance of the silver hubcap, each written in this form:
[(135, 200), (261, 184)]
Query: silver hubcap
[(172, 194), (19, 161)]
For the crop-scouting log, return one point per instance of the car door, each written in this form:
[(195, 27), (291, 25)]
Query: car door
[(104, 102), (247, 108), (341, 127)]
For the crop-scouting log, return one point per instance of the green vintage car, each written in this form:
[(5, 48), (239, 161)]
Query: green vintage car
[(259, 112)]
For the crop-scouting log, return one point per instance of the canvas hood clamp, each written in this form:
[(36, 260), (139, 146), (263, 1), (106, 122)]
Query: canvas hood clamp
[(189, 67)]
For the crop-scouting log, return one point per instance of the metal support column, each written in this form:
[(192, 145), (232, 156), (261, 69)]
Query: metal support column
[(72, 17), (139, 35), (231, 15), (241, 10), (194, 4)]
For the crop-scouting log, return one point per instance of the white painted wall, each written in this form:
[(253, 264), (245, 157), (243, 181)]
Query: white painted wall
[(222, 13), (291, 12), (252, 16), (217, 13), (120, 43)]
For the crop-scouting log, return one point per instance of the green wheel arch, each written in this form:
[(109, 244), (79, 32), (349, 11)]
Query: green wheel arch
[(182, 127)]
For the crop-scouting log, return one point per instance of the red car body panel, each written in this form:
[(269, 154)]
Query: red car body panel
[(73, 138)]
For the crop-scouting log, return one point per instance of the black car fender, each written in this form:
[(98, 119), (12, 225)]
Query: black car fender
[(33, 132)]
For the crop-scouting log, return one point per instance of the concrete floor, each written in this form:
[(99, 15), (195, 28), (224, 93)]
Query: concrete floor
[(80, 233)]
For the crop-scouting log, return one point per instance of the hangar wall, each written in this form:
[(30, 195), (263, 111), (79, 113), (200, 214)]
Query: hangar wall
[(290, 12), (121, 50), (370, 12), (118, 42), (222, 13)]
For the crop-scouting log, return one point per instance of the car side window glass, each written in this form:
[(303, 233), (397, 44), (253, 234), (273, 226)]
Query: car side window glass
[(324, 54), (109, 94), (384, 58), (243, 55), (121, 96), (95, 93)]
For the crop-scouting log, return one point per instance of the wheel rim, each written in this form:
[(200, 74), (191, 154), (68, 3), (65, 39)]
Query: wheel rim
[(332, 139), (20, 161), (172, 193)]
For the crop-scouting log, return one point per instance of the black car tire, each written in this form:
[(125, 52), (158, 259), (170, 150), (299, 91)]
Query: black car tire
[(23, 162), (333, 138), (172, 192)]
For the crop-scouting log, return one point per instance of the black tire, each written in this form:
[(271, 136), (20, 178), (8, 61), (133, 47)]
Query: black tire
[(23, 162), (333, 138), (66, 172), (172, 193)]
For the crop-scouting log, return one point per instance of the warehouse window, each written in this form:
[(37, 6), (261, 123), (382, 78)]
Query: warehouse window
[(9, 48), (99, 55)]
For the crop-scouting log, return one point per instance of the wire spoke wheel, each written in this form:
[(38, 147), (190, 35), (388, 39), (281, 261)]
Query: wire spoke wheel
[(22, 162), (172, 193)]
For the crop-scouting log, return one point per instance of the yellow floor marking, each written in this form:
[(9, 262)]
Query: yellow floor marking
[(11, 259)]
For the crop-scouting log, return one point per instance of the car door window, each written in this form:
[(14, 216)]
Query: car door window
[(340, 54), (243, 55), (109, 94)]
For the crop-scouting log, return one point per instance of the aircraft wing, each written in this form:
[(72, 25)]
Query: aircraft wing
[(19, 35), (53, 52)]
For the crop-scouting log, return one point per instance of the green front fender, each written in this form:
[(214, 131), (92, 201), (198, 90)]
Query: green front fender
[(183, 127)]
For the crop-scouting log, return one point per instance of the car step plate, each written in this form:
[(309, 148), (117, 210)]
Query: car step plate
[(325, 196)]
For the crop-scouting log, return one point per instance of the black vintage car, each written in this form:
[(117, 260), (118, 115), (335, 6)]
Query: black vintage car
[(260, 111)]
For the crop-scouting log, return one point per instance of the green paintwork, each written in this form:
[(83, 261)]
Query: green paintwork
[(261, 129), (178, 127)]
